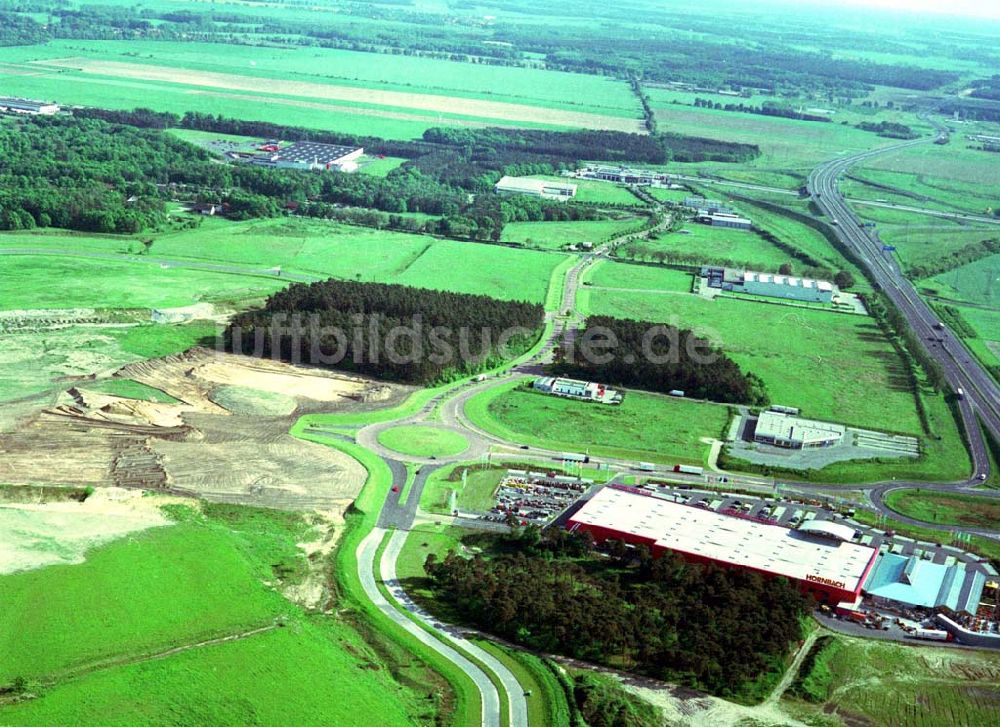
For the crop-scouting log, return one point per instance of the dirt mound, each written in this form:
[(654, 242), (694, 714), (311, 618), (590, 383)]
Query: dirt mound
[(233, 449)]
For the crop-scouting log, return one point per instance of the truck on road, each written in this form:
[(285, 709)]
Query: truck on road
[(932, 634), (645, 466), (688, 469)]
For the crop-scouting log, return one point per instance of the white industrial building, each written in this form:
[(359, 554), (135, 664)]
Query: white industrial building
[(722, 219), (28, 106), (792, 432), (535, 187), (312, 155), (767, 284), (575, 389)]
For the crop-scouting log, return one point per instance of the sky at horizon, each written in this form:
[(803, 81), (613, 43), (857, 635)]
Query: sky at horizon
[(969, 8)]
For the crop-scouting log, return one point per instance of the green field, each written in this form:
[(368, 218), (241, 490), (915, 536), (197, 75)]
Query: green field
[(643, 427), (175, 586), (861, 681), (376, 94), (704, 243), (41, 281), (313, 247), (423, 441), (946, 508), (784, 143), (611, 274), (379, 167), (793, 351), (977, 282), (555, 235)]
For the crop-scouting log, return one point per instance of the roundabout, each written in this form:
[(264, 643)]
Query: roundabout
[(423, 440)]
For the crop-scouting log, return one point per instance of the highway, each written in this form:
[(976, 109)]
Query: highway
[(981, 398)]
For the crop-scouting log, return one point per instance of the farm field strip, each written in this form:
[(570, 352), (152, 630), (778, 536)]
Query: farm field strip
[(427, 102)]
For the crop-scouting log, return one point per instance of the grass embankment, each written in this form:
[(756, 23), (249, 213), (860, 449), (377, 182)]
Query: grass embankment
[(85, 654), (877, 682), (643, 427), (129, 389), (423, 441), (946, 508), (476, 495)]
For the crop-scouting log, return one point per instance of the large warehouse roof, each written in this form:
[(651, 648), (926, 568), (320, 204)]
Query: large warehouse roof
[(730, 540), (916, 582), (307, 152)]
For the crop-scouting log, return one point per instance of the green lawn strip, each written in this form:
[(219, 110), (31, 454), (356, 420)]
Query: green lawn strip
[(983, 546), (557, 283), (421, 440), (556, 235), (359, 522), (494, 679), (945, 508), (645, 427), (546, 700)]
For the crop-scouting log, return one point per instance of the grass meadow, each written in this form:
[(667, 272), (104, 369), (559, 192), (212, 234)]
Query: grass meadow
[(199, 579), (875, 682), (476, 495), (946, 508), (555, 235), (643, 427), (365, 93), (614, 274)]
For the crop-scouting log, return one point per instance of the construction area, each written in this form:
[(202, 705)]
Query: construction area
[(217, 427)]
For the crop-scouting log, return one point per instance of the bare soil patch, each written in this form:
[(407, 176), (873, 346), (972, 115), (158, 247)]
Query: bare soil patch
[(197, 447)]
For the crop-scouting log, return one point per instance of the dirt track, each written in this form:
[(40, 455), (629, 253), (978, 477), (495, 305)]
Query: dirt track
[(424, 102)]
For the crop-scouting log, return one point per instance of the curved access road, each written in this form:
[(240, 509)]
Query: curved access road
[(981, 399), (365, 556)]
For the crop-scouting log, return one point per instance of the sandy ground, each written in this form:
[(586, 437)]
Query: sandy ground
[(424, 102), (37, 535), (197, 447), (314, 591)]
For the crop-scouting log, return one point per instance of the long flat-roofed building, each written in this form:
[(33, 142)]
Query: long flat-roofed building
[(767, 284), (576, 389), (792, 432), (28, 106), (820, 563), (311, 155), (535, 187)]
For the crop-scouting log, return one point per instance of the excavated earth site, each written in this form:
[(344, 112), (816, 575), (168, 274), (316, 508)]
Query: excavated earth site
[(196, 446)]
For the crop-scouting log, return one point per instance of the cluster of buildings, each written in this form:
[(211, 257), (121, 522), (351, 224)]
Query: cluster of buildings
[(11, 105), (535, 187), (623, 175), (826, 559), (769, 285), (303, 155), (574, 389), (716, 214)]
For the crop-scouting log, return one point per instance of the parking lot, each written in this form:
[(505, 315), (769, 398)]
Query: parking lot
[(534, 497)]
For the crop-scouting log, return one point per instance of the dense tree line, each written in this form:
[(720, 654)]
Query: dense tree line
[(702, 626), (765, 109), (655, 357), (393, 332), (889, 129)]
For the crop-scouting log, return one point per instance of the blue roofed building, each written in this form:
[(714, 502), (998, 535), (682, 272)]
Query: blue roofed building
[(913, 582)]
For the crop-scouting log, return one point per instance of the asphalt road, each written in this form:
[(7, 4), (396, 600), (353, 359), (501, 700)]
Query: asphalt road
[(981, 398), (365, 556)]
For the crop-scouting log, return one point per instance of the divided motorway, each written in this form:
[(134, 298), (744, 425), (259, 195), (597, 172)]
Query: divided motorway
[(981, 400)]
